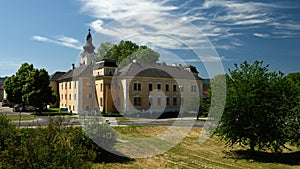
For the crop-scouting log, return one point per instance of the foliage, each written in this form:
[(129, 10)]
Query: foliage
[(204, 106), (101, 133), (7, 130), (103, 49), (52, 147), (126, 51), (259, 108), (29, 86), (14, 84)]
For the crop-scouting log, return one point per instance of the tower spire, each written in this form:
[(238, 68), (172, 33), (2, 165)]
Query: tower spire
[(88, 54), (89, 47)]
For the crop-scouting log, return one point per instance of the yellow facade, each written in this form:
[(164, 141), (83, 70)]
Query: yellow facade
[(104, 87)]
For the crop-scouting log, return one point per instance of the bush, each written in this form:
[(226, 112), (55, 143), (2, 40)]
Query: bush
[(52, 147), (102, 134), (7, 130)]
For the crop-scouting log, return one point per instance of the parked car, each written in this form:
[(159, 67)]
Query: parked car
[(5, 103), (20, 107)]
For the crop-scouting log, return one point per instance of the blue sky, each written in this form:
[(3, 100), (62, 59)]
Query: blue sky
[(211, 34)]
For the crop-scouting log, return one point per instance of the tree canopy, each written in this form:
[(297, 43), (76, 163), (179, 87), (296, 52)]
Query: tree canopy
[(29, 86), (260, 108), (126, 51)]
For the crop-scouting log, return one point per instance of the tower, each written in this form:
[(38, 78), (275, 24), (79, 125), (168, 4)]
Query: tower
[(88, 54)]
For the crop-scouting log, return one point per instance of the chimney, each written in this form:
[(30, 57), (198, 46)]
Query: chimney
[(73, 66)]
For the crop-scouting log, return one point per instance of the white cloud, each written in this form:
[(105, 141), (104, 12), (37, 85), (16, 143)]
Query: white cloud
[(206, 59), (60, 40), (148, 20), (116, 9), (8, 65), (261, 35), (252, 21)]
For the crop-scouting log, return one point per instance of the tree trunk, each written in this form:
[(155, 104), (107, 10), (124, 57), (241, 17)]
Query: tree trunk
[(252, 145)]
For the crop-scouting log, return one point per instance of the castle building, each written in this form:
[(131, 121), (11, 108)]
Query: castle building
[(136, 87)]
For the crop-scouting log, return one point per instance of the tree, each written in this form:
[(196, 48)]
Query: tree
[(30, 86), (14, 84), (103, 49), (259, 108), (294, 122), (126, 51)]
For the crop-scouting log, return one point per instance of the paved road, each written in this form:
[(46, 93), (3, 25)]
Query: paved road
[(71, 120)]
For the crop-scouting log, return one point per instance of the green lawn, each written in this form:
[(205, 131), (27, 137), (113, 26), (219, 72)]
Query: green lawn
[(190, 154), (23, 118)]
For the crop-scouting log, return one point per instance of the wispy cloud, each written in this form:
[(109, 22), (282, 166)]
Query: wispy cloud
[(206, 59), (261, 35), (60, 40), (216, 19), (6, 65)]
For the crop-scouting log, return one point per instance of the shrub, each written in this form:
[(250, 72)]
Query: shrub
[(7, 130), (54, 146)]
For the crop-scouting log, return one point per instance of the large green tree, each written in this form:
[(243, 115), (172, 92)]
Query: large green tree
[(103, 49), (126, 51), (14, 84), (259, 109), (294, 122), (29, 86)]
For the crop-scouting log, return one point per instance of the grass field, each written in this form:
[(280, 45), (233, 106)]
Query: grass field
[(189, 154), (23, 118)]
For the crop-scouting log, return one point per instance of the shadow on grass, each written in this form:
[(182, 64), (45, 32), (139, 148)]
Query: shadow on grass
[(50, 113), (110, 157), (292, 158)]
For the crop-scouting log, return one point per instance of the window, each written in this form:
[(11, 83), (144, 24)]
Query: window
[(74, 96), (174, 87), (159, 101), (101, 87), (62, 97), (101, 101), (174, 101), (118, 101), (158, 86), (73, 108), (181, 88), (87, 108), (193, 88), (182, 100), (110, 73), (65, 85), (137, 86), (90, 96), (70, 97), (167, 101), (167, 87), (74, 84), (70, 85), (62, 86), (150, 101), (137, 101), (66, 96), (150, 86)]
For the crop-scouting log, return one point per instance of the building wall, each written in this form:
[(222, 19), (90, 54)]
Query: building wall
[(87, 95), (68, 94), (54, 87), (134, 94), (128, 94)]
